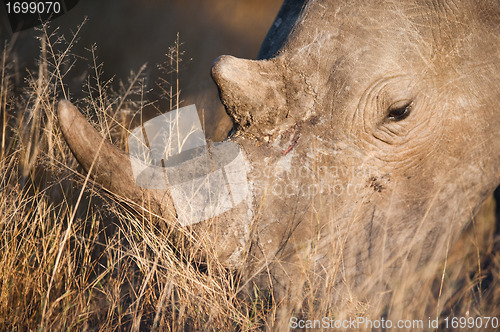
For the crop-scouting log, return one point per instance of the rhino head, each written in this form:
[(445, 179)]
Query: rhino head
[(369, 128)]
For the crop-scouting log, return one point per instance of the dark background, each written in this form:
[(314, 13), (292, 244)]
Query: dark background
[(130, 33)]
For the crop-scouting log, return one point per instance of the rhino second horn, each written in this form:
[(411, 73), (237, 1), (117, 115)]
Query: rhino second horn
[(251, 90), (109, 166)]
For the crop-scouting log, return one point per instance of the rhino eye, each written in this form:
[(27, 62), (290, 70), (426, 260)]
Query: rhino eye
[(399, 110)]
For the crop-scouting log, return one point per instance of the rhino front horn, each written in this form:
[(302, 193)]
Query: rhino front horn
[(107, 165), (252, 91)]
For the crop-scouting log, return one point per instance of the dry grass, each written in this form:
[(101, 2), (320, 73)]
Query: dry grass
[(72, 258)]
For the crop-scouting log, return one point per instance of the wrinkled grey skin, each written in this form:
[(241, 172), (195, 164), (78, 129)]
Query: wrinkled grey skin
[(344, 192)]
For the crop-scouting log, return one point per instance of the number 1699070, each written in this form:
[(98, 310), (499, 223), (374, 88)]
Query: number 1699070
[(33, 7)]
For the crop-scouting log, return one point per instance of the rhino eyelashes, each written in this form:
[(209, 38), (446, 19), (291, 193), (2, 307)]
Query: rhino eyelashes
[(400, 110)]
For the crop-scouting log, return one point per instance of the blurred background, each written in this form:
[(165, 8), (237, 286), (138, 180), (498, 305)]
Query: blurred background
[(130, 33)]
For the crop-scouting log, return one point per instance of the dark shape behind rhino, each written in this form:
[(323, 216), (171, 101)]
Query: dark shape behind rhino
[(372, 135)]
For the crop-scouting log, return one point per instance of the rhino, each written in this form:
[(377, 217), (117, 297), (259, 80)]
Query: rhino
[(370, 132)]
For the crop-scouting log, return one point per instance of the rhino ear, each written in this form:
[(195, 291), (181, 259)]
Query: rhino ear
[(253, 91), (281, 28)]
